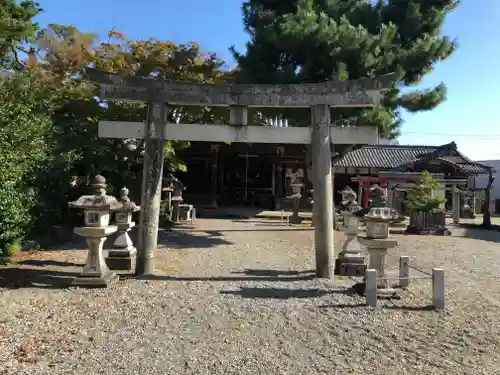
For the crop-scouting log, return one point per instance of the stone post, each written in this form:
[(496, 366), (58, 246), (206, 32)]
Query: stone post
[(238, 115), (323, 191), (152, 176), (438, 288), (371, 287), (404, 271), (123, 254)]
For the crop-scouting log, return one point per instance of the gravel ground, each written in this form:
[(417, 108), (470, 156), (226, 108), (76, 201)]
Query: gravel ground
[(238, 298)]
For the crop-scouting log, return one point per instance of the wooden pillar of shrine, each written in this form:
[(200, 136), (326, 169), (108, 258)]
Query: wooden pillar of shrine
[(214, 164), (279, 173)]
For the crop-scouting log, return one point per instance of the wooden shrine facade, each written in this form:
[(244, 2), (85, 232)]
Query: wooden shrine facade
[(260, 174)]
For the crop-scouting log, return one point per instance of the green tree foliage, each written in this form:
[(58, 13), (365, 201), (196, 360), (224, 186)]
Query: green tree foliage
[(24, 152), (16, 28), (294, 41), (420, 197), (49, 116)]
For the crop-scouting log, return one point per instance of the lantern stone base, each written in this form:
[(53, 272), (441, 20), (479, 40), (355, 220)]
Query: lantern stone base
[(185, 212), (121, 259), (295, 219), (123, 254), (94, 281), (350, 265), (96, 273)]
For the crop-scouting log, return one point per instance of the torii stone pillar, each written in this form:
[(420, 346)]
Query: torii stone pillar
[(317, 96), (323, 210)]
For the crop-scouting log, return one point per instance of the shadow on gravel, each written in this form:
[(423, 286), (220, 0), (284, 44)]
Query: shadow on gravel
[(281, 293), (217, 278), (476, 232), (16, 278), (274, 229), (381, 307), (182, 239), (277, 274), (48, 263), (409, 308), (343, 306)]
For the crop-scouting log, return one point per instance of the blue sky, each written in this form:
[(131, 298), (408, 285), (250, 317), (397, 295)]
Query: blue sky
[(468, 117)]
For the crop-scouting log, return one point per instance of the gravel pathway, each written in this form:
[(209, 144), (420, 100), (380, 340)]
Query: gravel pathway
[(239, 298)]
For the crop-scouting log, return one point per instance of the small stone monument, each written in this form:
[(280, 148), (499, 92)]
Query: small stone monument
[(123, 254), (377, 239), (350, 261), (296, 185), (97, 209)]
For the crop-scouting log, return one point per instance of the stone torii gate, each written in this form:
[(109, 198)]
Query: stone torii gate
[(238, 97)]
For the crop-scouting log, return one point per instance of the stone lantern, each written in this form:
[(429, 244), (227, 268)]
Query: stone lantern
[(177, 187), (123, 254), (97, 209), (350, 261), (296, 196), (377, 240), (466, 210)]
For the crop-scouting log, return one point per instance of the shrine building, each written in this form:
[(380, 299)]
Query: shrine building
[(260, 175)]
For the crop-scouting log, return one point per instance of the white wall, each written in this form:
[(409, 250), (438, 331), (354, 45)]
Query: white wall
[(482, 180)]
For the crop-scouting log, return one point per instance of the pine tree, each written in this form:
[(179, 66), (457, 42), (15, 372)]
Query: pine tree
[(420, 196), (295, 41)]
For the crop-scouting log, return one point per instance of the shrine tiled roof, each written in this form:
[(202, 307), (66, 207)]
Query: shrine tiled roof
[(383, 156), (403, 157)]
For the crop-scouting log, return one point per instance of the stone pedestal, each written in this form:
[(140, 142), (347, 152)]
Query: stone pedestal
[(295, 218), (176, 210), (377, 248), (123, 255), (350, 261), (95, 272), (185, 212), (296, 196)]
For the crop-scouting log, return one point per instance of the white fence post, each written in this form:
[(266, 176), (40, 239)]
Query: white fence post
[(371, 287), (438, 288), (404, 271)]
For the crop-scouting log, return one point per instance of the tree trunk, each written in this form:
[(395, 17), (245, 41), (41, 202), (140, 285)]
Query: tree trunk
[(486, 204)]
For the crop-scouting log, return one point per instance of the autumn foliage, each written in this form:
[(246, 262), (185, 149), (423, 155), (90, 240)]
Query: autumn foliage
[(64, 112)]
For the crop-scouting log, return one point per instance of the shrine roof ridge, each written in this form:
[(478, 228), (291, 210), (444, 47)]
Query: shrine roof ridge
[(364, 91)]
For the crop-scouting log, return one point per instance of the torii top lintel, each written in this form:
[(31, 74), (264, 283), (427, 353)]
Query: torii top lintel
[(361, 92)]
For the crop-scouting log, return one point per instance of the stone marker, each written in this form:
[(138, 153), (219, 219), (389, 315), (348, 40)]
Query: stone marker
[(97, 209), (123, 254)]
